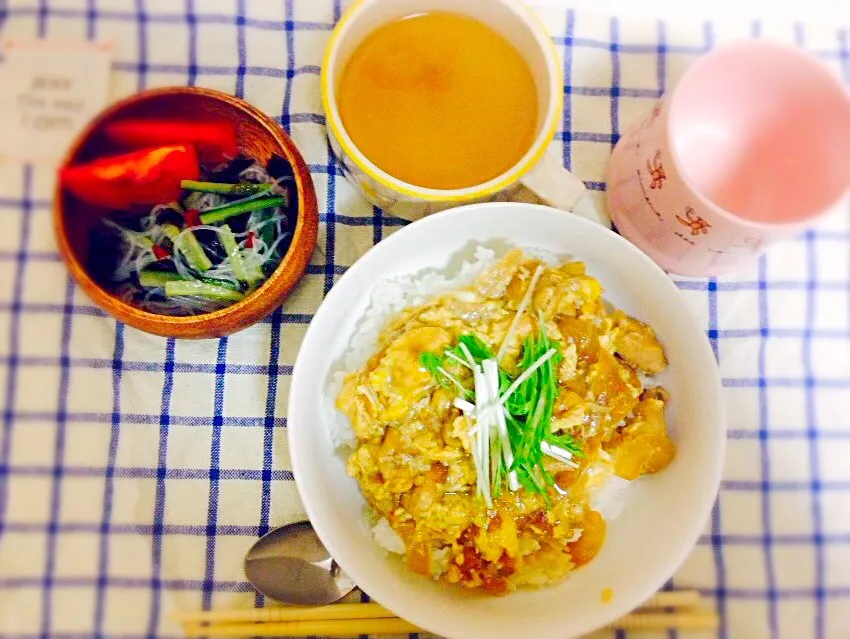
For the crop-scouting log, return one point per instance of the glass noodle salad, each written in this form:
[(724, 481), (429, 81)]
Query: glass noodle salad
[(215, 243)]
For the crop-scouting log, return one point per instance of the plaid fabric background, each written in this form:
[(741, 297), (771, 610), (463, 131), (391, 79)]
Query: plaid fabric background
[(136, 471)]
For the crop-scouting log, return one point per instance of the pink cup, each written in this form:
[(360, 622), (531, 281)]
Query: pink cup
[(753, 144)]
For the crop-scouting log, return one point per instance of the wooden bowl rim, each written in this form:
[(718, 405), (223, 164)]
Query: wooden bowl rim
[(249, 310)]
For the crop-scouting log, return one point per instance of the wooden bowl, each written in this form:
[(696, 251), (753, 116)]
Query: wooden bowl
[(258, 137)]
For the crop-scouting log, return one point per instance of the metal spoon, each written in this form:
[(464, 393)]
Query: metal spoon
[(290, 564)]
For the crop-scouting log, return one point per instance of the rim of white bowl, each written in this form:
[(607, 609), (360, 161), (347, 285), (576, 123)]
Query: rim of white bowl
[(443, 626)]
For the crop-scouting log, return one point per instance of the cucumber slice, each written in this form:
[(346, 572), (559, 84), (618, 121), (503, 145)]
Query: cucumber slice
[(228, 241), (233, 286), (194, 253), (201, 289), (224, 212), (157, 279), (245, 272), (224, 188), (170, 231)]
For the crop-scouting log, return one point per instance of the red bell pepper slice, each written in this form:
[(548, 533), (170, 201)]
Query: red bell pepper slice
[(192, 217), (209, 136), (149, 176)]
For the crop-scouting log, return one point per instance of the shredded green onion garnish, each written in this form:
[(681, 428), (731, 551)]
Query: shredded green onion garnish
[(511, 417)]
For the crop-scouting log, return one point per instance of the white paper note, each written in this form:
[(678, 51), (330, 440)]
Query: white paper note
[(50, 92)]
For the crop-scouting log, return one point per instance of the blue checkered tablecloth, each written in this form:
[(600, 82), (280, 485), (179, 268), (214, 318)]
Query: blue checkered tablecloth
[(136, 471)]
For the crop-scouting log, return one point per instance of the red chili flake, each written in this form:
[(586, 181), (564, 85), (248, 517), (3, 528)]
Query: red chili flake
[(467, 537), (495, 523), (159, 252), (494, 585), (538, 521), (249, 240), (192, 217), (507, 565)]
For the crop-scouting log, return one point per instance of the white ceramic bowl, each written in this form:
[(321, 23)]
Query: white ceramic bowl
[(666, 512)]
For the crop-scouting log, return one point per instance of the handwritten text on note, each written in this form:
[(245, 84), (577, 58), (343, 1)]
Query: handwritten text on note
[(50, 92)]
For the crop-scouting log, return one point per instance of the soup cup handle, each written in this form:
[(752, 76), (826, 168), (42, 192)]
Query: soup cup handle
[(553, 184)]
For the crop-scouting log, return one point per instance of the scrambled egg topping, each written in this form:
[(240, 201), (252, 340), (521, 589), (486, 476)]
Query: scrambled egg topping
[(412, 459)]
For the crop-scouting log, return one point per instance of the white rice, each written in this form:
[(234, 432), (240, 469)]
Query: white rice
[(611, 496), (387, 538)]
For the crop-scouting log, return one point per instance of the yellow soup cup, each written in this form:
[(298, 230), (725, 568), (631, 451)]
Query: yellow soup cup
[(538, 170)]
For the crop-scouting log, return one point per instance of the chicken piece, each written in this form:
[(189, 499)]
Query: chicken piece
[(456, 432), (571, 269), (583, 334), (360, 410), (461, 476), (548, 293), (592, 537), (568, 367), (518, 286), (441, 404), (407, 320), (393, 463), (644, 447), (461, 314), (585, 293), (574, 415), (578, 384), (566, 402), (363, 466), (636, 343), (613, 385), (558, 293), (526, 325), (565, 479), (583, 422), (493, 283), (399, 379), (364, 462)]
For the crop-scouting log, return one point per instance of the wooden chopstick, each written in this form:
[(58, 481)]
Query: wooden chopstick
[(683, 621), (352, 619), (672, 599), (318, 627), (691, 620), (288, 613), (669, 599)]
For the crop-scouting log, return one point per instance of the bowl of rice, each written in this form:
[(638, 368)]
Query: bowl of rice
[(519, 552)]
